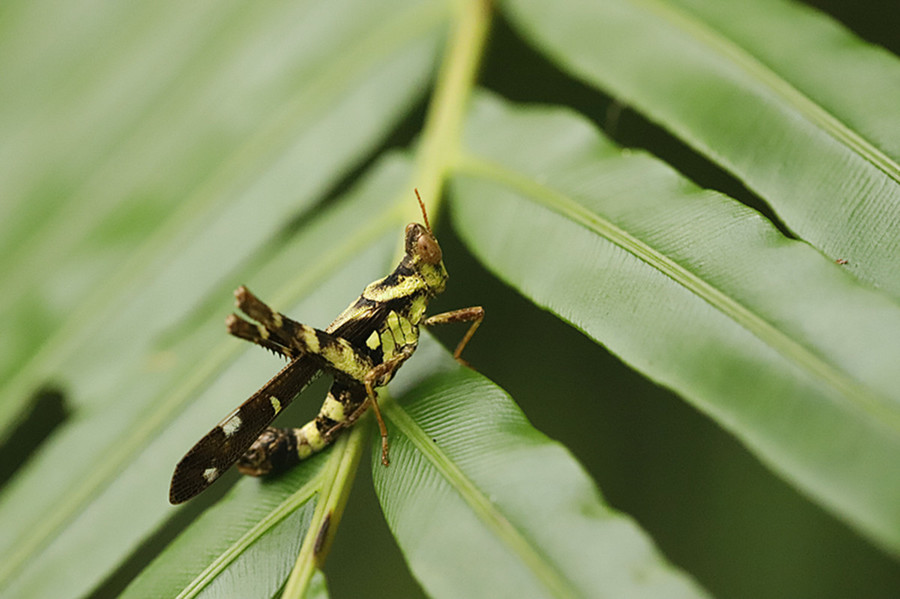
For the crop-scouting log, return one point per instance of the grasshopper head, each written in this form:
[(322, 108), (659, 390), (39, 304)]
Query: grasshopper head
[(424, 252), (421, 246)]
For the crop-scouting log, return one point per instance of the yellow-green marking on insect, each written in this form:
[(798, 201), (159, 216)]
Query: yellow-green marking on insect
[(363, 348)]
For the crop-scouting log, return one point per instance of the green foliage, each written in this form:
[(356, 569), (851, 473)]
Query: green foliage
[(157, 157)]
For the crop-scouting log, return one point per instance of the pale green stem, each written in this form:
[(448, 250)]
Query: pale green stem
[(337, 481), (440, 143), (436, 154)]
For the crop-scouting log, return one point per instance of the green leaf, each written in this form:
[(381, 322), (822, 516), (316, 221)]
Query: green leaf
[(172, 185), (119, 461), (484, 505), (251, 555), (798, 108), (318, 588), (155, 156), (775, 342)]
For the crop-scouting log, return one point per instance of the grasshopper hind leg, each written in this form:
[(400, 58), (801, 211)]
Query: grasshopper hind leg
[(275, 450), (278, 449)]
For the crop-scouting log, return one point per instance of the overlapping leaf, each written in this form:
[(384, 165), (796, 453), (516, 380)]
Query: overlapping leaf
[(775, 342), (802, 111), (484, 505), (123, 232), (120, 460), (251, 555), (136, 238)]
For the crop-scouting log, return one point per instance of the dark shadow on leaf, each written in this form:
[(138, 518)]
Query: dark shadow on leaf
[(48, 411)]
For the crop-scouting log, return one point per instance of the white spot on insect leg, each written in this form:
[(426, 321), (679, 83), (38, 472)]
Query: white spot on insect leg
[(303, 448), (232, 425), (211, 474), (309, 439)]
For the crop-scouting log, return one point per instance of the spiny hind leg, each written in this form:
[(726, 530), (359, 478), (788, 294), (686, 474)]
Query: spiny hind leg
[(273, 326), (339, 355), (260, 311), (278, 449), (260, 335)]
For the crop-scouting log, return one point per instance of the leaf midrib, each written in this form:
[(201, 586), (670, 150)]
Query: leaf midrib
[(481, 506), (287, 507), (874, 404), (811, 110)]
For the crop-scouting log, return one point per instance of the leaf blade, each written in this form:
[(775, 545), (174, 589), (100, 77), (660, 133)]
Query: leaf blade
[(327, 124), (205, 556), (482, 503), (781, 400), (761, 89), (147, 447)]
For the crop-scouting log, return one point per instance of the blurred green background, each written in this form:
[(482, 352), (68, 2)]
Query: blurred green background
[(708, 504)]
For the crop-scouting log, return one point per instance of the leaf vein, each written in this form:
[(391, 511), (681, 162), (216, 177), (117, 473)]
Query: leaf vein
[(483, 508), (812, 111), (855, 393)]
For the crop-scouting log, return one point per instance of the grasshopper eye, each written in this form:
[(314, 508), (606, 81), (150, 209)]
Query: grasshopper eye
[(428, 249), (422, 244)]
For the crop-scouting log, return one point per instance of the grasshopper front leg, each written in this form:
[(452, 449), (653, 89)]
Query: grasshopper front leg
[(475, 315)]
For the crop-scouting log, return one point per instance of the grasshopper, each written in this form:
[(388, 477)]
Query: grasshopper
[(362, 349)]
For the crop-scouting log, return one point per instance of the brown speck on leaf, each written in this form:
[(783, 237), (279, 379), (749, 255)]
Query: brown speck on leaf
[(322, 535)]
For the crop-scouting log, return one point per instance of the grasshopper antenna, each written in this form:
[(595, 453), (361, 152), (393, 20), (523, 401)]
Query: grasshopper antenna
[(424, 215)]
